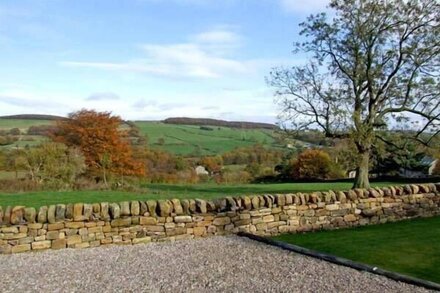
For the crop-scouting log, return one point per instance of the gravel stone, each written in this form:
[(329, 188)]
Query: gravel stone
[(215, 264)]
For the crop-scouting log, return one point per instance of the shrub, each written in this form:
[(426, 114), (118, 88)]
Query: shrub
[(311, 164)]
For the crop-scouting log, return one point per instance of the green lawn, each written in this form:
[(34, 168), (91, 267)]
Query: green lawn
[(166, 191), (409, 247)]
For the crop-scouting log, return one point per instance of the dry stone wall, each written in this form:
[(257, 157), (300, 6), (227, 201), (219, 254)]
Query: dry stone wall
[(84, 225)]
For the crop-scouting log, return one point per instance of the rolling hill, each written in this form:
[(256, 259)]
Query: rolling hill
[(179, 139)]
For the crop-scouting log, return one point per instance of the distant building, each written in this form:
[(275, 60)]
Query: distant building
[(427, 168), (200, 170)]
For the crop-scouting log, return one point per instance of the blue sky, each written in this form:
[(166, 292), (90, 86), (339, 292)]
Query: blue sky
[(147, 59)]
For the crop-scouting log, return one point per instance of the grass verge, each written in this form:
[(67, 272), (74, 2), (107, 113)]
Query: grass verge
[(409, 247)]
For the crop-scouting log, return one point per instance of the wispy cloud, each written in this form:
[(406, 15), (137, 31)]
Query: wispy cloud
[(205, 55), (301, 6), (107, 96)]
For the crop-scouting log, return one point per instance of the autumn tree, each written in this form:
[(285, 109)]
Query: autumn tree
[(311, 164), (213, 164), (103, 143), (374, 66)]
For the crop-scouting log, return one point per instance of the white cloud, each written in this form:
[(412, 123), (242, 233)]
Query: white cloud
[(206, 55), (302, 6)]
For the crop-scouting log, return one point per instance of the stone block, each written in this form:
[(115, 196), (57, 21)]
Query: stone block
[(121, 222), (30, 215), (74, 239), (141, 240), (51, 214), (60, 212), (125, 208), (74, 225), (87, 211), (221, 221), (78, 212), (46, 244), (55, 226), (152, 206), (135, 208), (147, 221), (115, 211), (165, 208), (183, 219), (21, 248), (42, 214)]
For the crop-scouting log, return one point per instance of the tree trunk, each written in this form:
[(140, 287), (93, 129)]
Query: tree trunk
[(361, 180), (104, 177)]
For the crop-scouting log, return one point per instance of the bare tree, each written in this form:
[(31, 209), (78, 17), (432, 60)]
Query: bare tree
[(374, 66)]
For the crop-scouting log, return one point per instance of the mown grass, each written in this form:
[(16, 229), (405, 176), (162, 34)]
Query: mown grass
[(165, 191), (409, 247)]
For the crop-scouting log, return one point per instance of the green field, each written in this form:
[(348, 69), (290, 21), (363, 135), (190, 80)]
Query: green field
[(191, 140), (166, 191), (408, 247), (22, 124), (188, 140)]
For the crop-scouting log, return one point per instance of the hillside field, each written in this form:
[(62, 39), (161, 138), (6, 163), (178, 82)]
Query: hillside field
[(186, 140), (194, 140)]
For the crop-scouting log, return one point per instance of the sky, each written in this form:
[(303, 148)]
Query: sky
[(147, 59)]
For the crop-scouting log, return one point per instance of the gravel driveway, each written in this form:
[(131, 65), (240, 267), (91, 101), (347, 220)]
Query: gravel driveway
[(216, 264)]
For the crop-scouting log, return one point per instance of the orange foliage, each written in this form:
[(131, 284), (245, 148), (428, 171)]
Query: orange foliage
[(311, 164), (98, 136)]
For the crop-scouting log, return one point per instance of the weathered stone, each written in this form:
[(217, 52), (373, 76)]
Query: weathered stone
[(135, 208), (17, 215), (60, 212), (246, 202), (59, 243), (55, 226), (221, 221), (78, 212), (373, 193), (42, 214), (125, 208), (177, 207), (41, 245), (141, 240), (7, 215), (232, 205), (35, 225), (201, 206), (69, 211), (192, 206), (199, 231), (211, 206), (1, 215), (87, 211), (51, 214), (183, 219), (165, 208), (185, 206), (121, 222), (74, 225), (104, 214), (147, 221), (52, 235), (280, 200), (115, 211), (350, 218), (255, 202), (152, 206), (351, 194), (21, 248), (74, 239), (143, 208)]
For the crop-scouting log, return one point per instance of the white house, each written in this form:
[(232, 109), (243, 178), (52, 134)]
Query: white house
[(200, 170)]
